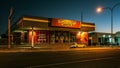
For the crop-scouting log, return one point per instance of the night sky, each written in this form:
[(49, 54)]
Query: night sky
[(65, 9)]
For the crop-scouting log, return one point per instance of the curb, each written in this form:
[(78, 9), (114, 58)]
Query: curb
[(6, 50)]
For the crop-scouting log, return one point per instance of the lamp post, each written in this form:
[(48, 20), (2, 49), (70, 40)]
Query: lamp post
[(99, 9)]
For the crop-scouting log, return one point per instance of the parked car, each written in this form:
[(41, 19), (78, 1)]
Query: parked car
[(77, 45)]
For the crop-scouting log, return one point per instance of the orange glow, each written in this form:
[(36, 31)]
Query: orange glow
[(87, 25), (65, 23), (78, 33), (82, 37), (30, 33), (30, 36), (37, 20), (82, 34)]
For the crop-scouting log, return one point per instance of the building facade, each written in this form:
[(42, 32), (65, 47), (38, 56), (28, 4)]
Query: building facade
[(99, 38), (40, 30), (117, 36)]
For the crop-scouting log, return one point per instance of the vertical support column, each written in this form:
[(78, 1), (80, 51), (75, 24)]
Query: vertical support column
[(69, 37), (22, 37), (12, 39), (49, 36), (8, 32), (101, 40), (54, 37), (32, 37)]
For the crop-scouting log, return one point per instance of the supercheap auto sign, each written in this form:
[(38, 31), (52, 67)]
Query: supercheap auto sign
[(65, 23)]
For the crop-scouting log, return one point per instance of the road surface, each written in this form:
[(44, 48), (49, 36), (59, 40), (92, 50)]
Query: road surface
[(88, 58)]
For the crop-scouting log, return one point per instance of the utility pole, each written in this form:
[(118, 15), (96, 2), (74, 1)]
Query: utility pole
[(81, 16), (10, 14)]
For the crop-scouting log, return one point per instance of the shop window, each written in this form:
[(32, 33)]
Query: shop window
[(99, 39)]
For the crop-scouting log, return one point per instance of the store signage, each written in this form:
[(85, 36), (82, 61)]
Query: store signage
[(65, 23)]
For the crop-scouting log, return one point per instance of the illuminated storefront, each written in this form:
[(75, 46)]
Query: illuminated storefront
[(40, 30)]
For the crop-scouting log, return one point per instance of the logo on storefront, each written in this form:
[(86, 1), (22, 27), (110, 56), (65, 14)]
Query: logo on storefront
[(65, 23)]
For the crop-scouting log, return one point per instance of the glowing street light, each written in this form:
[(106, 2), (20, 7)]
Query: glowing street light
[(99, 9)]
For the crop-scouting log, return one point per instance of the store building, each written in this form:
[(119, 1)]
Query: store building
[(40, 30), (117, 36), (100, 38)]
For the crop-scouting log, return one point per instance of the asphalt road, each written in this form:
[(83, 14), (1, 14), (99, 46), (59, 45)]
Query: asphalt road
[(96, 58)]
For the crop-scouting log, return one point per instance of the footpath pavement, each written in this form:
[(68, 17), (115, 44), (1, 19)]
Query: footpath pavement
[(39, 49)]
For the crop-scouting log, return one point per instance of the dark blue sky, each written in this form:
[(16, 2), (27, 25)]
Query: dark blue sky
[(66, 9)]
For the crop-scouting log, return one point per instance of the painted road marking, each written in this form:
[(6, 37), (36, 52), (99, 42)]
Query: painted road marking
[(69, 62)]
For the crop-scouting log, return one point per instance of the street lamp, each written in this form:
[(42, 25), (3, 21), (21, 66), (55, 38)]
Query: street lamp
[(100, 9)]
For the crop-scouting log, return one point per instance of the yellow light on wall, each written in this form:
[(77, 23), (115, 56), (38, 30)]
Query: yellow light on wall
[(88, 25), (30, 33), (79, 33), (36, 20)]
